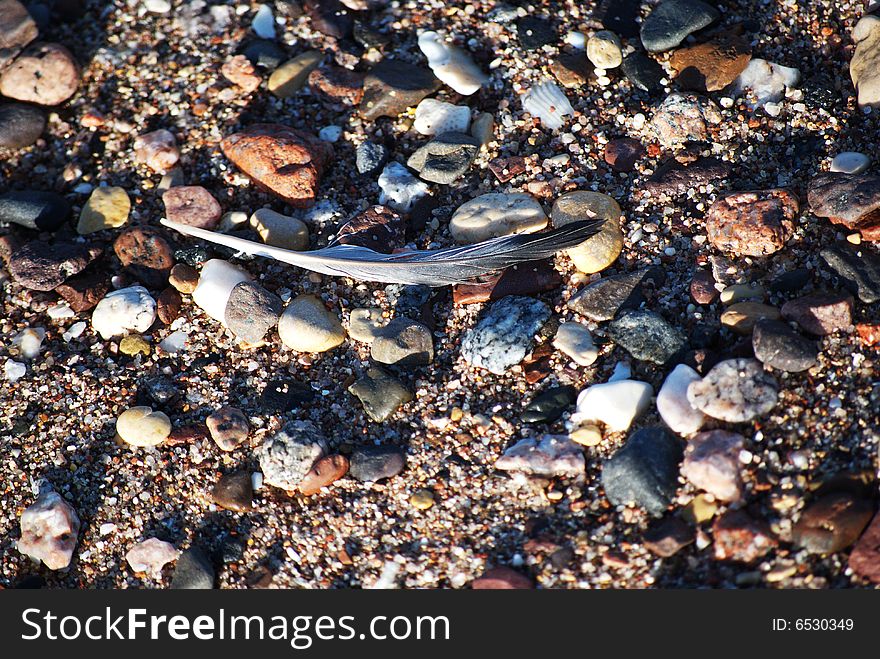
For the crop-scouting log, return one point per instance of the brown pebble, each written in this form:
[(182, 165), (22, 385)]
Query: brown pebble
[(145, 254), (168, 305), (84, 291), (184, 278), (186, 435), (622, 154), (703, 289), (325, 471), (234, 492), (502, 578)]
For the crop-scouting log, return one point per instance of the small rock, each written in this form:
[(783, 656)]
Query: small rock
[(124, 310), (832, 523), (821, 313), (503, 336), (752, 223), (616, 404), (378, 228), (132, 345), (684, 117), (215, 285), (851, 200), (713, 65), (603, 299), (49, 530), (575, 341), (370, 157), (280, 230), (41, 266), (742, 316), (145, 255), (239, 71), (45, 74), (20, 125), (234, 492), (330, 17), (264, 54), (373, 463), (778, 346), (735, 390), (106, 208), (288, 455), (17, 28), (451, 64), (863, 66), (646, 335), (403, 342), (673, 178), (380, 394), (422, 499), (150, 556), (547, 456), (858, 267), (400, 189), (141, 426), (193, 571), (572, 71), (673, 20), (534, 33), (364, 324), (337, 85), (157, 150), (604, 50), (549, 405), (643, 72), (668, 537), (865, 557), (622, 154), (324, 472), (32, 209), (445, 158), (264, 23), (308, 326), (739, 537), (291, 76), (502, 578), (83, 291), (702, 287), (673, 405), (392, 86), (192, 205), (251, 311), (711, 463), (496, 214), (601, 250), (847, 162), (228, 427), (644, 471), (586, 435), (767, 81), (620, 16)]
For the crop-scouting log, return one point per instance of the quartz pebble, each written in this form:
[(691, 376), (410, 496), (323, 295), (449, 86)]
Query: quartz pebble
[(280, 230), (451, 65), (503, 336), (435, 117), (308, 326), (446, 158), (228, 427), (124, 310), (673, 405), (863, 66), (157, 150), (399, 188), (496, 214), (288, 455), (141, 426), (150, 556), (615, 404), (711, 463), (216, 283), (735, 390), (575, 341), (604, 50), (547, 456), (29, 341), (49, 531), (106, 208), (767, 82)]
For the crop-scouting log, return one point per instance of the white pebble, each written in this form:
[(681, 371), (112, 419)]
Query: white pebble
[(330, 133), (616, 404), (400, 189), (264, 23), (29, 341), (14, 370), (576, 39), (850, 162), (435, 117), (673, 404), (622, 371), (216, 282), (59, 311), (126, 310), (451, 65), (174, 342), (74, 331), (575, 340)]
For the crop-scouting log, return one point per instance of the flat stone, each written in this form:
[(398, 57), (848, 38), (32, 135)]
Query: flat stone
[(157, 150), (403, 342), (549, 405), (392, 86), (644, 471), (575, 341), (229, 427), (145, 254), (83, 291), (643, 72), (673, 405), (150, 556), (252, 311), (263, 53), (711, 463), (192, 205), (308, 326), (20, 125), (780, 347), (124, 310), (33, 209), (41, 266), (547, 456), (852, 200), (445, 158), (380, 394), (370, 157), (234, 492), (754, 223), (668, 537), (378, 228), (859, 268), (526, 279), (623, 153), (742, 316), (193, 571), (49, 528), (739, 537), (603, 299), (646, 335), (241, 72), (291, 76), (502, 338), (17, 30), (141, 426), (496, 214), (673, 178), (850, 162), (684, 117), (832, 523), (374, 463), (864, 560), (288, 455), (616, 404), (672, 21), (324, 472), (821, 313), (735, 390), (602, 249), (713, 65), (44, 73)]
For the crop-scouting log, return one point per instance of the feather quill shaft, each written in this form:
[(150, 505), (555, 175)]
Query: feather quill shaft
[(441, 267)]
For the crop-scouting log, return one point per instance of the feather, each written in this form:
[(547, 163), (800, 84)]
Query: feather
[(441, 267)]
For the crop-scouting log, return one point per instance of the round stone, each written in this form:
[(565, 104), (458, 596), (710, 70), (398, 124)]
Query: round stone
[(252, 311), (132, 345), (125, 310), (403, 342), (673, 405), (422, 499), (604, 50), (157, 150), (848, 162), (754, 223), (280, 230), (496, 214), (192, 205), (288, 455), (777, 345), (141, 426), (184, 278), (735, 390), (20, 125), (145, 254), (308, 326), (616, 404), (228, 427), (599, 251), (575, 341), (45, 74), (711, 463), (234, 492)]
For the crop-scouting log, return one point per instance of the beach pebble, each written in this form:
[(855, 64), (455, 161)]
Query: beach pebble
[(852, 200), (124, 310), (615, 404), (337, 85), (735, 390), (42, 266), (33, 209), (370, 157), (673, 405), (324, 472), (132, 345), (603, 299), (106, 208), (192, 205), (858, 268), (534, 32), (373, 463), (29, 341), (780, 347), (740, 537), (754, 223), (767, 81), (601, 250), (157, 150), (451, 64), (435, 117), (18, 29), (307, 325), (20, 125), (399, 188), (141, 426), (643, 72), (251, 311), (403, 342), (623, 153), (821, 314), (604, 50), (575, 341), (864, 560), (670, 22), (547, 103), (234, 492), (291, 76), (549, 405), (713, 65), (280, 230), (496, 214), (684, 117), (193, 571), (742, 316), (850, 162), (239, 71), (49, 531), (832, 523), (184, 278), (145, 255), (394, 85), (216, 282), (863, 66), (380, 394), (228, 426), (264, 23), (45, 74), (378, 228), (547, 456), (711, 463), (446, 158), (502, 338), (288, 455), (331, 17), (502, 578), (668, 537), (646, 335), (150, 556), (364, 324)]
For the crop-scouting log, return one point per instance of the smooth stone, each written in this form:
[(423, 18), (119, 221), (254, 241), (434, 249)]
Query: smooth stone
[(123, 311), (575, 341), (859, 269), (20, 125), (791, 281), (49, 531), (234, 492), (851, 200), (239, 71), (324, 472), (702, 288), (264, 23), (847, 162), (192, 205), (643, 72), (740, 537), (157, 150), (288, 455), (364, 324), (547, 103), (483, 128), (604, 299), (184, 278), (646, 335), (228, 426), (451, 64), (216, 282), (42, 266), (330, 17), (672, 21), (33, 209), (141, 426), (821, 314), (380, 394), (865, 62), (251, 311), (496, 214), (586, 435), (742, 292), (711, 463), (291, 76), (335, 85), (572, 71), (193, 571), (150, 556), (400, 190), (534, 33), (742, 316), (546, 456), (623, 153), (264, 54), (435, 117), (17, 27), (754, 223), (132, 345), (735, 390), (392, 86), (604, 50), (601, 250), (44, 73), (832, 523), (615, 404), (780, 347), (502, 338), (684, 117), (403, 342), (280, 230), (549, 405), (374, 463), (106, 208), (370, 157), (145, 255), (422, 499), (673, 405), (308, 326), (644, 471), (445, 158)]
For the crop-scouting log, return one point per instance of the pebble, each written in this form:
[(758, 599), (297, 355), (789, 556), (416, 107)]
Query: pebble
[(264, 23), (330, 133), (451, 65), (335, 85), (673, 178), (713, 65), (739, 537), (291, 76), (193, 571), (735, 390), (330, 17), (403, 342), (821, 314), (251, 311), (168, 305), (215, 285), (547, 103), (264, 54), (643, 72), (257, 149), (234, 492), (685, 117), (370, 157), (422, 499), (324, 472), (742, 316), (83, 291), (852, 200), (604, 50), (858, 267), (308, 326), (702, 287), (615, 404), (285, 395), (20, 125), (145, 255), (229, 427), (44, 73), (644, 471), (603, 299), (526, 279), (29, 341), (549, 405), (192, 205), (150, 556), (586, 435), (13, 370), (572, 71), (157, 150), (668, 537), (141, 426), (239, 71), (502, 578), (280, 230), (547, 456), (41, 266), (378, 228), (132, 345), (673, 405), (622, 154), (18, 29), (124, 310), (832, 523), (364, 324), (374, 463), (711, 463), (534, 33), (672, 21), (380, 394), (752, 223), (601, 250), (740, 292), (864, 560), (393, 86), (106, 208), (32, 209), (502, 338), (767, 81), (847, 162), (400, 190), (445, 158), (435, 117), (863, 67), (778, 346), (49, 531), (496, 214), (288, 455), (646, 335), (575, 341)]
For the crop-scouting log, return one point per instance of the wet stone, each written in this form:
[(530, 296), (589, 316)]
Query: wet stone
[(646, 335), (374, 463), (168, 305), (549, 405), (380, 394), (778, 346)]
